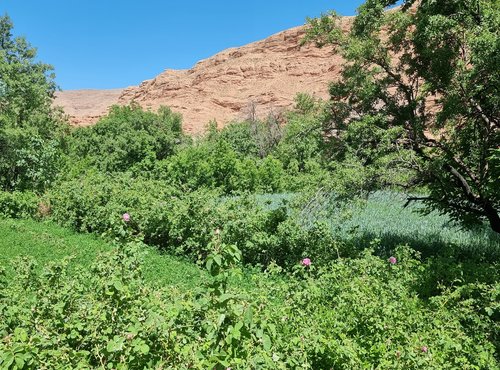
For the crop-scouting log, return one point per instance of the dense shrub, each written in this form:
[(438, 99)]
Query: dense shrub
[(302, 142), (217, 165), (202, 165), (126, 137), (274, 234), (358, 313), (162, 215), (252, 138), (252, 156), (241, 138), (366, 313), (95, 202), (183, 222), (18, 204), (29, 160)]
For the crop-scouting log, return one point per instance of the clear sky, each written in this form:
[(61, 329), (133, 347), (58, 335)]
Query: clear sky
[(103, 44)]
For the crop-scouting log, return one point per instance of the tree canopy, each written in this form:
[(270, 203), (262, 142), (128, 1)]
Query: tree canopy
[(29, 127), (419, 91), (26, 85)]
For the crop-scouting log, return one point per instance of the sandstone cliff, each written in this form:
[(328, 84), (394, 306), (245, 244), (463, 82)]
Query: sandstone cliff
[(265, 74)]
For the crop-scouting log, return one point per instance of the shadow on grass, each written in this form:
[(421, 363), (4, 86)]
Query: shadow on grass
[(485, 247)]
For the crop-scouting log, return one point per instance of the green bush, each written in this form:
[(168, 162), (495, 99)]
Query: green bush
[(126, 137), (203, 165), (357, 313), (366, 313), (251, 138), (95, 202), (184, 222), (217, 165), (241, 138), (18, 204), (98, 318), (29, 161), (268, 235)]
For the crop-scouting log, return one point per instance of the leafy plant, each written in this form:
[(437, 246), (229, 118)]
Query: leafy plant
[(353, 312), (127, 138), (19, 204)]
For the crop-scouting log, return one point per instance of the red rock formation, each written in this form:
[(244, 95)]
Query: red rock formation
[(265, 74)]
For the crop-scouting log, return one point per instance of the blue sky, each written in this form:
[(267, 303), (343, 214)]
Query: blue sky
[(104, 44)]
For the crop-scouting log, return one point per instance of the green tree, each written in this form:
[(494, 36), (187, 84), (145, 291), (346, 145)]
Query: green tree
[(302, 141), (128, 138), (30, 130), (425, 78), (26, 86), (252, 137)]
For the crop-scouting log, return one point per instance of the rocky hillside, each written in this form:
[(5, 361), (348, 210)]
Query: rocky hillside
[(85, 107), (265, 75)]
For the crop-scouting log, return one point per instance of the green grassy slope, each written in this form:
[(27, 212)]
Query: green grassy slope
[(47, 242)]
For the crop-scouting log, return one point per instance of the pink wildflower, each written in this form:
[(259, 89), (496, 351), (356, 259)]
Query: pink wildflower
[(126, 217), (392, 260), (306, 262), (424, 349)]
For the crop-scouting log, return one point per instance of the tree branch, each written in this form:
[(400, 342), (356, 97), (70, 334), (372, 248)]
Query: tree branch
[(409, 200), (464, 185), (455, 159)]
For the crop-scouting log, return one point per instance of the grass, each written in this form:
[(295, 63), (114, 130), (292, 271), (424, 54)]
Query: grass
[(47, 242), (384, 218)]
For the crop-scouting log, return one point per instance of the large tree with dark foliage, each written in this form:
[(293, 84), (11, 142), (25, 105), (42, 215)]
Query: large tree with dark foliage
[(420, 89)]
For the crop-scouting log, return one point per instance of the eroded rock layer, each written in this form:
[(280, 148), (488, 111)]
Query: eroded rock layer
[(265, 75)]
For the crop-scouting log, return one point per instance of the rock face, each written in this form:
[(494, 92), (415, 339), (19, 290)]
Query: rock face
[(261, 77), (85, 107)]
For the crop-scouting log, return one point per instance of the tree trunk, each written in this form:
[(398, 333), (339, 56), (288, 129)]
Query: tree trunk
[(492, 215)]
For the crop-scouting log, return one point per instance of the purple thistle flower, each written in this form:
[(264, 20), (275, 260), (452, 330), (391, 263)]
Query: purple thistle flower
[(306, 262)]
